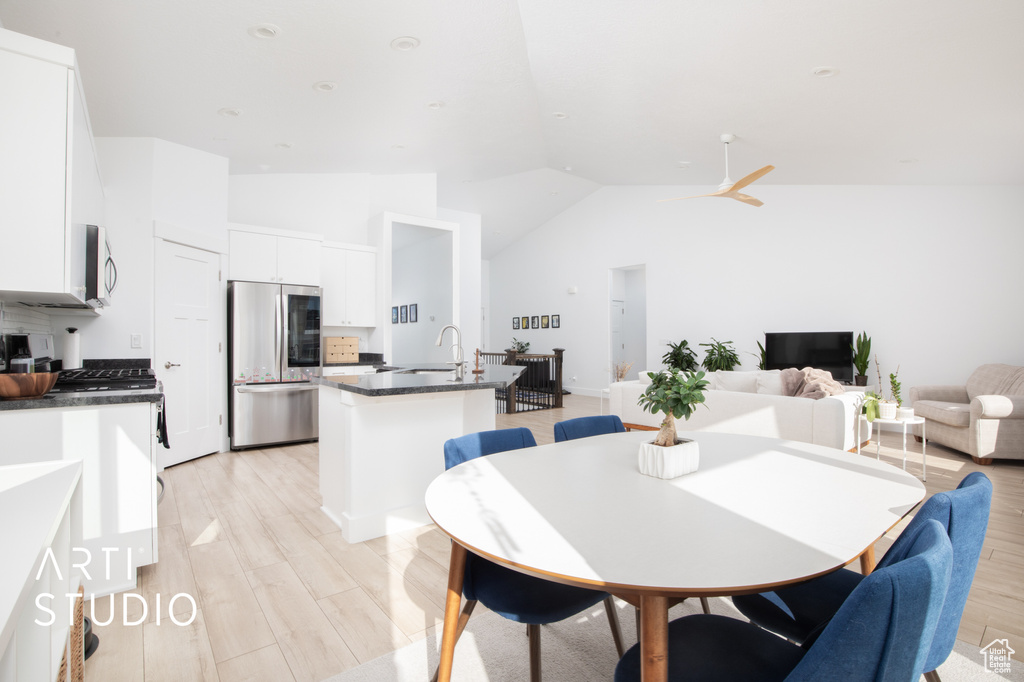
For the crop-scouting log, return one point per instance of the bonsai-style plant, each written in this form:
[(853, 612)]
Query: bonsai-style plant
[(680, 356), (862, 358), (719, 356), (676, 396), (520, 346)]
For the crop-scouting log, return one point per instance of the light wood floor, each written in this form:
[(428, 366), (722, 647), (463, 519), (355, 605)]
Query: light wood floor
[(282, 596)]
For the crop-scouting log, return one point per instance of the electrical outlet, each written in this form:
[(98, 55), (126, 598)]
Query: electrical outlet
[(136, 340)]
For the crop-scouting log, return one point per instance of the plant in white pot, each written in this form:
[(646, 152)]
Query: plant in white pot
[(676, 396), (887, 408)]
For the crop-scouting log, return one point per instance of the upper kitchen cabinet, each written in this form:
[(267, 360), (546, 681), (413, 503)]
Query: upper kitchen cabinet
[(349, 276), (265, 255), (50, 186)]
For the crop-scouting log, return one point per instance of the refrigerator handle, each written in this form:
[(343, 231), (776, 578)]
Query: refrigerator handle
[(280, 333)]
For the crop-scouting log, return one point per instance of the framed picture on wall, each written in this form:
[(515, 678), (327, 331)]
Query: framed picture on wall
[(413, 312), (555, 321), (515, 323), (526, 323), (535, 322), (404, 314), (543, 321), (394, 314)]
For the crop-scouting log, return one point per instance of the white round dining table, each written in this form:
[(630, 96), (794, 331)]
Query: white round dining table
[(759, 513)]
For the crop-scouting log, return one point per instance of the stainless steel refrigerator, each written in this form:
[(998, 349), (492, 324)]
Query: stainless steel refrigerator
[(274, 354)]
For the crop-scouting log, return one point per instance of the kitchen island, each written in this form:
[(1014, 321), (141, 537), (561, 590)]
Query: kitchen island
[(382, 438)]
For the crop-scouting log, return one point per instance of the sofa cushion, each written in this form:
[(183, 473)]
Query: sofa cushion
[(954, 414), (769, 382), (743, 382), (996, 380)]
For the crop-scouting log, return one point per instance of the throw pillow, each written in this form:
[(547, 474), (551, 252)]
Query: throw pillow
[(744, 382), (769, 382)]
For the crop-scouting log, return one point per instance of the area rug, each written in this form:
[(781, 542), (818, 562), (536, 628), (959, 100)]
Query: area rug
[(580, 649)]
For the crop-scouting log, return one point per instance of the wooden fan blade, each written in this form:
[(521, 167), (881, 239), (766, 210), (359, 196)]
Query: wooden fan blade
[(747, 199), (719, 193), (744, 181)]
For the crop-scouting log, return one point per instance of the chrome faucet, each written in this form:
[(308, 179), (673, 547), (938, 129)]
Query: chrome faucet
[(460, 364)]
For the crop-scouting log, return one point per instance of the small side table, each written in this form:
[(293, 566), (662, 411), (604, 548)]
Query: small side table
[(913, 421)]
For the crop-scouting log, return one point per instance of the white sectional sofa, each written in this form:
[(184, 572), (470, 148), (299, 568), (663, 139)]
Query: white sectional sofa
[(752, 403)]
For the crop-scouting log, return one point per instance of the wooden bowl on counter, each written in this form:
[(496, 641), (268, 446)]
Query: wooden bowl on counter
[(24, 386)]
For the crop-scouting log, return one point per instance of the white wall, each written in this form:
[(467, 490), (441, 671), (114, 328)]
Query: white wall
[(146, 181), (336, 205), (422, 274), (931, 273)]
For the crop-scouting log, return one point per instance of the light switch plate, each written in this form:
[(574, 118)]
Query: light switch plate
[(136, 340)]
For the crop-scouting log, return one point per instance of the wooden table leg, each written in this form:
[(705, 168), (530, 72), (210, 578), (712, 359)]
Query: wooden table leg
[(456, 574), (654, 639), (867, 560)]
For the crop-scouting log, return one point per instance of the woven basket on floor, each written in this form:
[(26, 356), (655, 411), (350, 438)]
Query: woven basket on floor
[(76, 644)]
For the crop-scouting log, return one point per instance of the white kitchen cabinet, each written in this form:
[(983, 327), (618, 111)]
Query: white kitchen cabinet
[(349, 279), (116, 446), (263, 257), (50, 184)]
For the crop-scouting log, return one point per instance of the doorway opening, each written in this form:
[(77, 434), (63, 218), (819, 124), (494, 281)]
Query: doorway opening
[(627, 322)]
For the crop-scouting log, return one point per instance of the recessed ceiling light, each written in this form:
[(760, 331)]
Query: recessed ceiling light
[(685, 164), (497, 232), (325, 86), (567, 168), (398, 146), (405, 43), (230, 112), (264, 31), (560, 114), (436, 104), (825, 71), (282, 145), (553, 193)]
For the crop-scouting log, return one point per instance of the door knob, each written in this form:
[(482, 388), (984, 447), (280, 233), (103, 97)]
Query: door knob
[(168, 364)]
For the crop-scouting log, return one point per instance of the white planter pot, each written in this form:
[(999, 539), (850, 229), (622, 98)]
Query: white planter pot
[(676, 460), (886, 410), (905, 413)]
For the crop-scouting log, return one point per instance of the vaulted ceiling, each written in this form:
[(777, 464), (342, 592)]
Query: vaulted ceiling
[(523, 107)]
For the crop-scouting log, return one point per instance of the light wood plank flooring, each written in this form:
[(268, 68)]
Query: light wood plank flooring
[(282, 596)]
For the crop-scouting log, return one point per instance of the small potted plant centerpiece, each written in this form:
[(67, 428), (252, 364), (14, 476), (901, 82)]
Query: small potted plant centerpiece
[(861, 359), (887, 408), (895, 386), (676, 396), (720, 356)]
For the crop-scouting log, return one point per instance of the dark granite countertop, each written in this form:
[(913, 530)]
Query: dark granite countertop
[(398, 383), (86, 399)]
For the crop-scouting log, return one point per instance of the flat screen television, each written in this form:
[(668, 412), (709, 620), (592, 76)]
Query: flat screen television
[(830, 351)]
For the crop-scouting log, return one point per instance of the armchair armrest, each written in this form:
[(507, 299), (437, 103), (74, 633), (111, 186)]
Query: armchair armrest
[(997, 407), (945, 394)]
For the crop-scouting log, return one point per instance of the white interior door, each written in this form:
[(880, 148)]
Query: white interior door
[(189, 341)]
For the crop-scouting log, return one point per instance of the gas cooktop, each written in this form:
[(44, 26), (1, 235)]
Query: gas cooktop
[(76, 380)]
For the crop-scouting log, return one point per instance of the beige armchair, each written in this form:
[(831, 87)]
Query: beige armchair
[(984, 418)]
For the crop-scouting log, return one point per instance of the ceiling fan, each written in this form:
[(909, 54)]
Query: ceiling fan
[(730, 189)]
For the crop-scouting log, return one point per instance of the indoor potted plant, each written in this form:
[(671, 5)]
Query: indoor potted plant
[(680, 356), (675, 395), (720, 356), (894, 387), (861, 359), (886, 408)]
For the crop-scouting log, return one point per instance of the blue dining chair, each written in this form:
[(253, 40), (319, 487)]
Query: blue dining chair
[(513, 595), (881, 632), (583, 427), (797, 610)]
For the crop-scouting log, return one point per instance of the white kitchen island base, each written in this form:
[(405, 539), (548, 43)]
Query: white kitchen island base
[(378, 454)]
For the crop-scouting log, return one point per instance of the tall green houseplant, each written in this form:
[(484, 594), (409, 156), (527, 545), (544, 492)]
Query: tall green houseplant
[(720, 355), (862, 359), (680, 356), (676, 396)]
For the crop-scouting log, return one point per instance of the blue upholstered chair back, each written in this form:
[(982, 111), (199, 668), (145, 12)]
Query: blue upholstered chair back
[(473, 445), (963, 513), (583, 427), (884, 629)]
